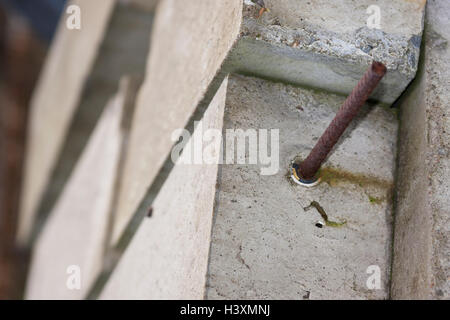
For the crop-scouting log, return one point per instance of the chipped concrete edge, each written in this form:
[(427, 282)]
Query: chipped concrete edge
[(313, 57)]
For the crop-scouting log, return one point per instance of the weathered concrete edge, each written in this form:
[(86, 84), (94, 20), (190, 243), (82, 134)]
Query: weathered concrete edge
[(411, 251), (323, 59)]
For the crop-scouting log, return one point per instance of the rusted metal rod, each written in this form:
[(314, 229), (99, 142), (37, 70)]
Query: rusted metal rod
[(309, 167)]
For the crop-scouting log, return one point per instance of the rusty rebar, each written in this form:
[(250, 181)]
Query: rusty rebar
[(350, 108)]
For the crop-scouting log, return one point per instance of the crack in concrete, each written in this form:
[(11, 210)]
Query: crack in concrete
[(239, 257)]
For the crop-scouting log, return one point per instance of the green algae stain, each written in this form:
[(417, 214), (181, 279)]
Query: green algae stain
[(334, 176), (376, 200), (324, 215), (335, 224)]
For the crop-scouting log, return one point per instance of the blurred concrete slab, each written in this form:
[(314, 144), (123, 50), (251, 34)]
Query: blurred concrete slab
[(70, 58), (193, 39), (77, 229), (421, 265), (82, 72)]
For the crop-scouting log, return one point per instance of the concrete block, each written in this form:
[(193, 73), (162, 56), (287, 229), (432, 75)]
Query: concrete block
[(193, 39), (55, 100), (265, 243), (421, 260), (168, 257), (328, 45), (76, 232), (82, 73)]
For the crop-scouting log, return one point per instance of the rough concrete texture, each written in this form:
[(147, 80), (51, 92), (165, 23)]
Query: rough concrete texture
[(168, 257), (265, 244), (54, 102), (66, 111), (193, 40), (328, 45), (344, 16), (77, 228), (421, 262)]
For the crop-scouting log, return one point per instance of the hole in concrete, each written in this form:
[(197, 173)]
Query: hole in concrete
[(319, 224), (150, 212)]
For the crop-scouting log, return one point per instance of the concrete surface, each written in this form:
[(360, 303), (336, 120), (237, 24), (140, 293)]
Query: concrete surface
[(193, 52), (64, 115), (77, 228), (344, 16), (72, 53), (265, 244), (421, 264), (193, 40), (168, 257), (328, 45)]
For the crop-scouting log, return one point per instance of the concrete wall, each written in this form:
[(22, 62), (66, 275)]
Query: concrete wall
[(421, 267)]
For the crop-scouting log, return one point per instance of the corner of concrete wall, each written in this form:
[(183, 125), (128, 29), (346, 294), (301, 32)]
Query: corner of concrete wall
[(421, 254)]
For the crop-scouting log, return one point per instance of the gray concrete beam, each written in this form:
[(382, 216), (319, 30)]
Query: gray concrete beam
[(192, 41)]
